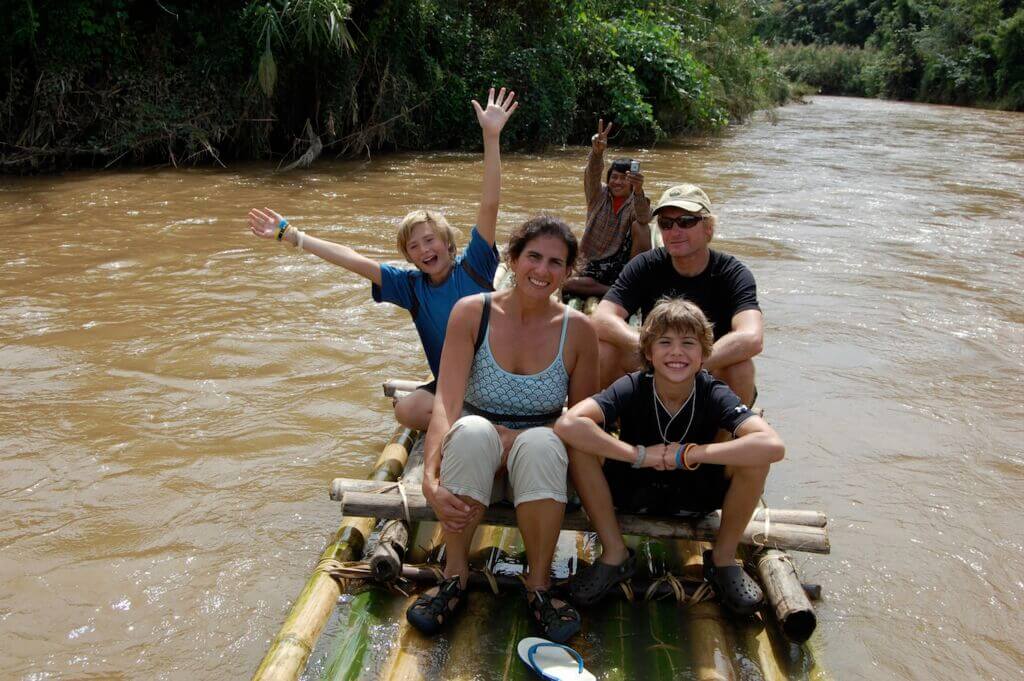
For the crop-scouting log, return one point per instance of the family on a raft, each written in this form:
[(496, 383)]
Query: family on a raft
[(507, 364)]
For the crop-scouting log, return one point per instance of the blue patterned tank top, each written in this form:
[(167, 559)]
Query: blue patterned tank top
[(515, 400)]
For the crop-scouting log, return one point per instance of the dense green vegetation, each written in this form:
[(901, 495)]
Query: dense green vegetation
[(946, 51), (97, 82)]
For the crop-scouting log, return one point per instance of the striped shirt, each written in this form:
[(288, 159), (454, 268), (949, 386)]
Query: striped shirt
[(606, 230)]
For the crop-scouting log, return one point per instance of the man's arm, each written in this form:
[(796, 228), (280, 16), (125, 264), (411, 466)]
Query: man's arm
[(264, 224), (743, 342), (583, 374), (641, 229), (492, 120), (610, 321), (595, 163)]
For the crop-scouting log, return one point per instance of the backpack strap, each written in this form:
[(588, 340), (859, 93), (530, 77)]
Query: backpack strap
[(477, 278)]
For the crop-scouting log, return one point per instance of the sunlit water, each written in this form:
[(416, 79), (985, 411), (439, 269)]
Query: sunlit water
[(176, 394)]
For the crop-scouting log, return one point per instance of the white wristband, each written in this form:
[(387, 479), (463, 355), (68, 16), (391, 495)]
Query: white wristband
[(299, 236)]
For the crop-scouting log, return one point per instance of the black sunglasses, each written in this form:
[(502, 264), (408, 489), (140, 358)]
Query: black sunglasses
[(683, 221)]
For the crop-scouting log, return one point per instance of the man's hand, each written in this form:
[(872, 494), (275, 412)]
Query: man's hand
[(454, 513), (600, 141), (636, 181), (498, 111)]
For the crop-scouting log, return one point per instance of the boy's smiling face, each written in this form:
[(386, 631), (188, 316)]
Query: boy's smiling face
[(675, 356), (428, 251)]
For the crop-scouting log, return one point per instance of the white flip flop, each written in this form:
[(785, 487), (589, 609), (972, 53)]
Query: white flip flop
[(553, 661)]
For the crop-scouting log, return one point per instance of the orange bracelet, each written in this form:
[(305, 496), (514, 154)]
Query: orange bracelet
[(686, 464)]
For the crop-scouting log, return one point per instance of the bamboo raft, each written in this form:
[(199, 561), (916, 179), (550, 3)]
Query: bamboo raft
[(665, 624)]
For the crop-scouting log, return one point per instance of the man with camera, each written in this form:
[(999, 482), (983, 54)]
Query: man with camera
[(618, 215)]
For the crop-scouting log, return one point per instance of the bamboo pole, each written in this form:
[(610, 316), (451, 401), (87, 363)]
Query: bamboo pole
[(392, 544), (788, 601), (783, 536), (785, 516), (293, 644), (710, 646), (423, 575)]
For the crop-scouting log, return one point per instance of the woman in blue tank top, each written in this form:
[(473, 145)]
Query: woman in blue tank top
[(511, 359)]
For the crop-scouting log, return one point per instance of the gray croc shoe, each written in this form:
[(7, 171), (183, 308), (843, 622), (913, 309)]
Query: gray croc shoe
[(737, 590), (589, 585)]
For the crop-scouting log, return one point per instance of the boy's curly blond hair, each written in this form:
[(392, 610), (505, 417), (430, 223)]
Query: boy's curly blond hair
[(679, 315)]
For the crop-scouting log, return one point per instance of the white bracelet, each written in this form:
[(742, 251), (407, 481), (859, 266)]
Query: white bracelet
[(299, 235)]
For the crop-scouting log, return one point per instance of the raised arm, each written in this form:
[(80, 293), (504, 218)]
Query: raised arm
[(265, 224), (492, 120), (745, 341), (595, 163), (641, 225), (456, 360)]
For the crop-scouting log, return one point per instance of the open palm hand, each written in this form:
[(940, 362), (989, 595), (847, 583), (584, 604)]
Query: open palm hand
[(499, 109)]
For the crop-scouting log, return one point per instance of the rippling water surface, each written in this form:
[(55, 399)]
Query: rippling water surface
[(175, 395)]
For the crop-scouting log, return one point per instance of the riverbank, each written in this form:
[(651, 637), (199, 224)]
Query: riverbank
[(120, 83)]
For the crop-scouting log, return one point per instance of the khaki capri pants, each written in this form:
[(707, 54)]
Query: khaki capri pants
[(471, 457)]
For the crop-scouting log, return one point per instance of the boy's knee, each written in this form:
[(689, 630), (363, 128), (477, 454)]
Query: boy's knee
[(414, 410), (753, 475)]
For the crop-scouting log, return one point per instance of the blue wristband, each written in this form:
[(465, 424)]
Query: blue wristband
[(679, 456), (281, 226)]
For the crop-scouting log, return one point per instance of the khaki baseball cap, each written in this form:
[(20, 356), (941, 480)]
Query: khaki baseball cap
[(689, 197)]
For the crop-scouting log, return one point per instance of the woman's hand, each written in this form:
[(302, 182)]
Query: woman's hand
[(264, 223), (498, 111), (453, 512), (600, 141)]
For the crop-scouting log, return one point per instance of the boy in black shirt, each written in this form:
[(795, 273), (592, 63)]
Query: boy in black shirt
[(665, 459)]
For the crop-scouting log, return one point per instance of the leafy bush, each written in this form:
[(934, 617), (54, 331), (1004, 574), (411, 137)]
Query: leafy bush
[(830, 69), (101, 81)]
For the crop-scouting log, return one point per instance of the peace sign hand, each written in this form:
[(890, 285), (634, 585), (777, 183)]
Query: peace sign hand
[(600, 140), (499, 110)]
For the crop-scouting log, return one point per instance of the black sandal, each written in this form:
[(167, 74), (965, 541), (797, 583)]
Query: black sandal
[(559, 622), (737, 590), (589, 585), (430, 612)]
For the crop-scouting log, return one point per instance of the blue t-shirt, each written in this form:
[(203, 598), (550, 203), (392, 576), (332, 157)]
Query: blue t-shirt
[(431, 304)]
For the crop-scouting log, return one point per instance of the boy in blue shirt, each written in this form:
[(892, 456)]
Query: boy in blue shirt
[(427, 241)]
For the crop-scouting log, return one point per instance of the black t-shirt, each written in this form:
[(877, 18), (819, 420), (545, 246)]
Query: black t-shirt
[(724, 288), (629, 403)]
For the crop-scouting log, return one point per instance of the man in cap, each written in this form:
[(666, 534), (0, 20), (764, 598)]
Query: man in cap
[(685, 266), (618, 218)]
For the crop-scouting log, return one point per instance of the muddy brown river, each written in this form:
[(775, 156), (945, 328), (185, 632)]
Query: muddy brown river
[(175, 395)]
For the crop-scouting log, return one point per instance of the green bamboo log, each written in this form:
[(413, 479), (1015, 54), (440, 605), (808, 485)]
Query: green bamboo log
[(293, 644)]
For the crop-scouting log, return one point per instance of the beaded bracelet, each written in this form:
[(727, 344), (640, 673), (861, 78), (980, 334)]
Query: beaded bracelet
[(641, 454), (281, 227)]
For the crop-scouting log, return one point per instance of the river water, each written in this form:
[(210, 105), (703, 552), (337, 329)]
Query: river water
[(176, 394)]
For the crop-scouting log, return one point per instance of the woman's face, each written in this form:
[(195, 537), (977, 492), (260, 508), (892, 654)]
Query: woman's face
[(542, 266)]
